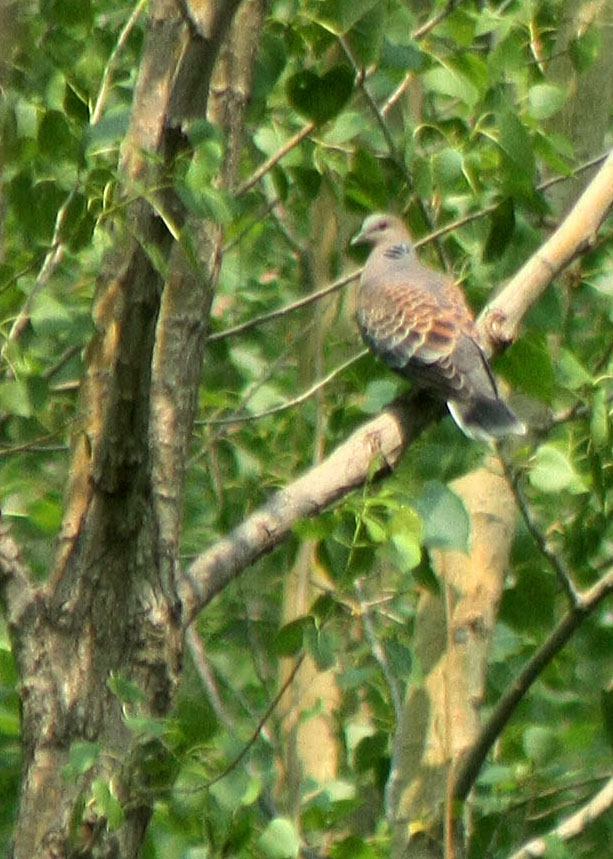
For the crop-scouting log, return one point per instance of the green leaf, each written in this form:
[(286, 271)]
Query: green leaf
[(557, 848), (599, 420), (540, 744), (401, 56), (527, 366), (124, 689), (81, 757), (321, 646), (46, 514), (399, 657), (338, 16), (366, 35), (70, 12), (15, 398), (515, 142), (353, 847), (449, 81), (55, 139), (320, 98), (583, 50), (289, 639), (552, 471), (49, 315), (375, 530), (545, 100), (315, 527), (502, 226), (445, 520), (370, 750), (406, 530), (106, 804), (571, 372), (280, 840), (448, 169), (146, 727), (365, 184)]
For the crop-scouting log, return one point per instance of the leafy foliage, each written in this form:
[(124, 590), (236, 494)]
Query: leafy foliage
[(472, 142)]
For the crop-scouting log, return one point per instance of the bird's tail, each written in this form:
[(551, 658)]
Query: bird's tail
[(485, 419)]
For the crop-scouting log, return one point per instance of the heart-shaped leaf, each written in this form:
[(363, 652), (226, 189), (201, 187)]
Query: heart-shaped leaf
[(320, 98)]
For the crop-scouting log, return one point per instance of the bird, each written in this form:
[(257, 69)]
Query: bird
[(417, 321)]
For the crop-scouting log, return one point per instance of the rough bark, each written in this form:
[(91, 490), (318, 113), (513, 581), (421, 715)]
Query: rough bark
[(585, 116), (116, 605), (110, 608)]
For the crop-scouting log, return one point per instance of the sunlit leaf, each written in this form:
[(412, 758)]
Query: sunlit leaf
[(280, 839), (445, 520), (553, 471)]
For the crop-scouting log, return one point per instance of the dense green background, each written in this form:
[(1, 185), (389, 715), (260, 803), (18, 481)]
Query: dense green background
[(476, 136)]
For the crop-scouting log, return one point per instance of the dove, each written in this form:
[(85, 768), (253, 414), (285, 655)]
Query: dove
[(417, 321)]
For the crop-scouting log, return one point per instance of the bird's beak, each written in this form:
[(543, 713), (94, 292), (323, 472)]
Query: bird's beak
[(358, 239)]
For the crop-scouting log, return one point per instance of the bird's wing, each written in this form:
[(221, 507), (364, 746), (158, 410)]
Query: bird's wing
[(424, 333)]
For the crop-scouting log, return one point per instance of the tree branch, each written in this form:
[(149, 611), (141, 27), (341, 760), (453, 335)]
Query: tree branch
[(387, 435), (573, 825), (16, 591), (544, 546), (572, 620), (274, 159), (381, 441), (288, 308), (425, 240), (501, 319), (295, 401)]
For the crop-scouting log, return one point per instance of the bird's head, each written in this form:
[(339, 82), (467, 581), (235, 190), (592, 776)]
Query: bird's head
[(382, 229)]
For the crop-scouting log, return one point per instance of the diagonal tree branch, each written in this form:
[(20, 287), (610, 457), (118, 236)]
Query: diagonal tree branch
[(573, 825), (572, 620), (384, 438), (502, 317), (343, 281), (377, 446)]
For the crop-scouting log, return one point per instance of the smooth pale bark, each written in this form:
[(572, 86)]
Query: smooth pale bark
[(441, 714)]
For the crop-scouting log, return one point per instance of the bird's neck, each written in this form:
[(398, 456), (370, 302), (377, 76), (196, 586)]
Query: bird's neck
[(398, 250)]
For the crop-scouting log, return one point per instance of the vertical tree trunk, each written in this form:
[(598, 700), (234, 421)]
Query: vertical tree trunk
[(109, 618), (441, 714)]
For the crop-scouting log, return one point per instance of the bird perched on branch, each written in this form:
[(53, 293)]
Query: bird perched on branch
[(417, 321)]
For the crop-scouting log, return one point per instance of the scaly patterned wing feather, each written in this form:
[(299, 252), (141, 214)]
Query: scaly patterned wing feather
[(427, 335)]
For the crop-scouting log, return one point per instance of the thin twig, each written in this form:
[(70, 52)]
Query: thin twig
[(372, 104), (61, 361), (288, 308), (572, 826), (106, 75), (339, 284), (544, 546), (572, 620), (198, 654), (422, 31), (289, 404), (270, 162), (53, 258), (258, 729), (393, 98), (377, 650)]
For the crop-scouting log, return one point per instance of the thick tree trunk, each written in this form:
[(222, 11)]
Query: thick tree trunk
[(441, 715), (109, 618)]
